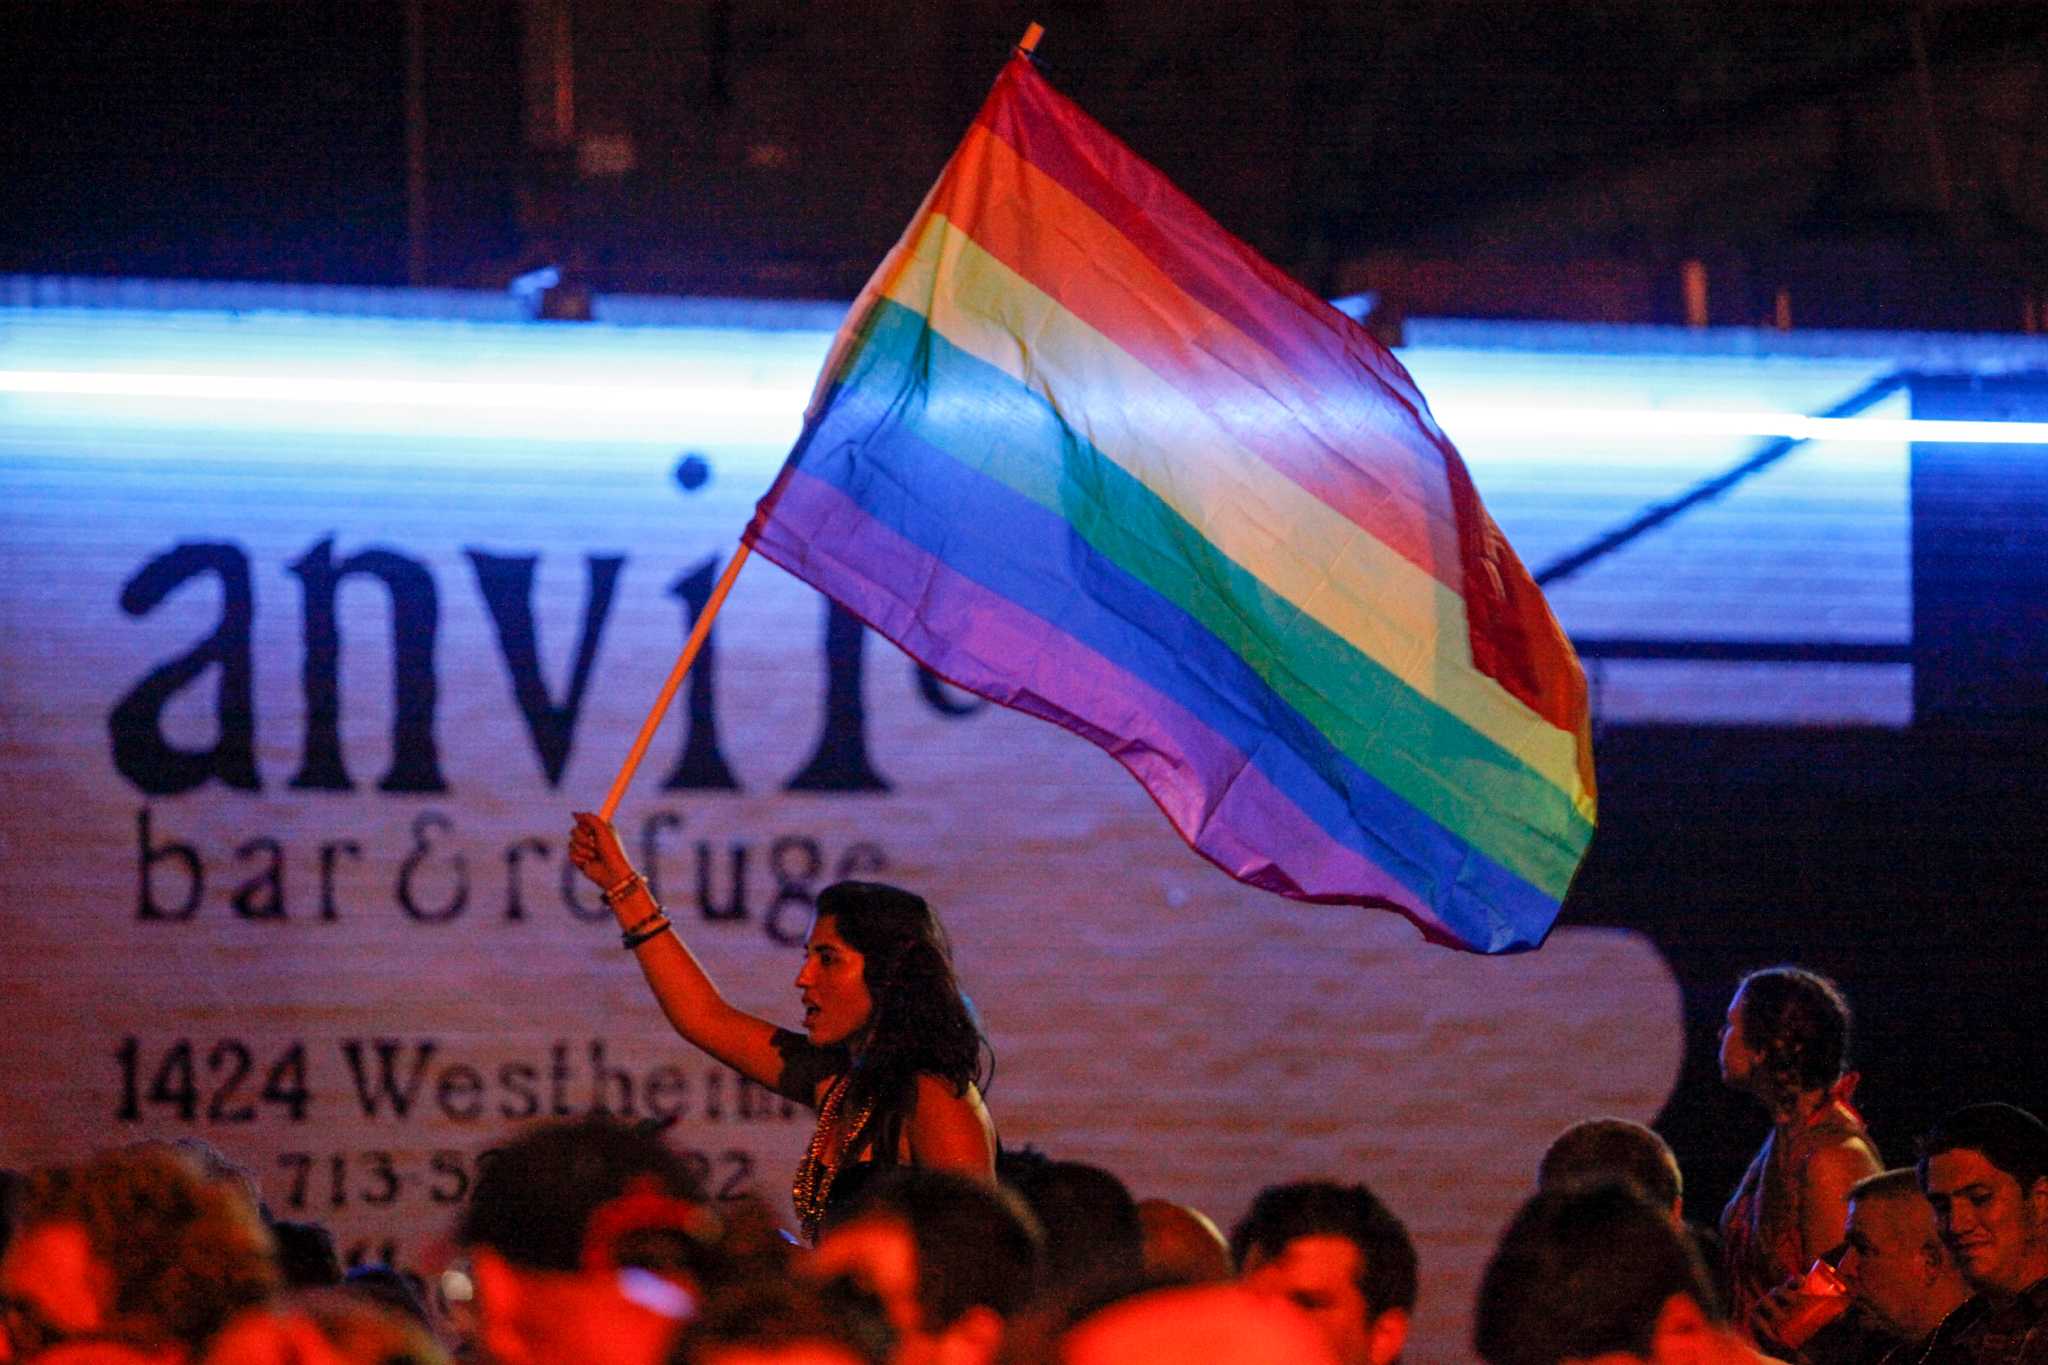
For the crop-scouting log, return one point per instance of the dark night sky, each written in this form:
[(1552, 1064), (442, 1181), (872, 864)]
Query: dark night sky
[(208, 139), (262, 139)]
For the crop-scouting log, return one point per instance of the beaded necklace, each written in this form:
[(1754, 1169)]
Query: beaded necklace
[(814, 1174)]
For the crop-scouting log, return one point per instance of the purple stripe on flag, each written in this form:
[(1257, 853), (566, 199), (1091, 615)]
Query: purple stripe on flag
[(974, 638)]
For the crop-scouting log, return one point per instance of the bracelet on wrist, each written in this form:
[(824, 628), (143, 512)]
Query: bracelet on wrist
[(612, 895), (632, 929), (647, 935)]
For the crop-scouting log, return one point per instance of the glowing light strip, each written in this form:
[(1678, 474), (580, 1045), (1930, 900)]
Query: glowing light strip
[(679, 398), (759, 397), (1477, 419)]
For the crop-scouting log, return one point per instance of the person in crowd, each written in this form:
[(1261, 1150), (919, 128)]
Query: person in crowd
[(306, 1253), (1984, 1168), (324, 1327), (786, 1322), (950, 1258), (1899, 1273), (1196, 1325), (1786, 1043), (1090, 1223), (589, 1244), (891, 1055), (1615, 1149), (1182, 1244), (1340, 1255), (1620, 1149), (135, 1248), (1598, 1272)]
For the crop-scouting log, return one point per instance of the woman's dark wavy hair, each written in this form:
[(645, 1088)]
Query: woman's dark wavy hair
[(1799, 1020), (922, 1021)]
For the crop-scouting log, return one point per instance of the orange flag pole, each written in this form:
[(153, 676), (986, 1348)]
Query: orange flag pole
[(1027, 45), (698, 635)]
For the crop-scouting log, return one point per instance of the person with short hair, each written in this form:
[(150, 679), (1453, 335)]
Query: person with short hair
[(1899, 1273), (1786, 1043), (1093, 1238), (1984, 1168), (891, 1054), (1597, 1272), (1599, 1149), (951, 1259), (1339, 1254), (590, 1242), (1609, 1149), (134, 1247), (1182, 1244)]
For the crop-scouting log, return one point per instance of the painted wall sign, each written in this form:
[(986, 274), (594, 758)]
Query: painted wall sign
[(315, 628)]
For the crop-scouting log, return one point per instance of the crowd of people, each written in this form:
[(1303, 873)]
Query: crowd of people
[(591, 1242), (920, 1241)]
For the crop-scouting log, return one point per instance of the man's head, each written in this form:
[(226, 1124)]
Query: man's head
[(1615, 1149), (1984, 1168), (135, 1246), (1092, 1233), (1339, 1254), (1182, 1244), (1896, 1265), (950, 1258), (1592, 1271), (590, 1240)]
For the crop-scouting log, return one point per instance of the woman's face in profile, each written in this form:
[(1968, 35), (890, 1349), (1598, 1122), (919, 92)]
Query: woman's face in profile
[(1738, 1059), (832, 986)]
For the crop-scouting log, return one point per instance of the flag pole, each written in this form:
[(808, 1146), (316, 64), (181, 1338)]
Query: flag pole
[(1026, 45), (698, 634)]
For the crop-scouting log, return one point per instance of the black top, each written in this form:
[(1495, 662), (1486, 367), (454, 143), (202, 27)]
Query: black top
[(806, 1070), (2013, 1332)]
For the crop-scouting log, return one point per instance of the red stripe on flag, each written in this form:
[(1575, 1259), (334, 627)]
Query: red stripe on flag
[(1394, 488), (1514, 638)]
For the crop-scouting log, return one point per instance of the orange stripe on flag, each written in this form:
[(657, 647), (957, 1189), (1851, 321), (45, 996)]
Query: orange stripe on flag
[(1330, 444)]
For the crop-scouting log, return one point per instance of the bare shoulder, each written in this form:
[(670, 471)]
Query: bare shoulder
[(951, 1131), (1842, 1163)]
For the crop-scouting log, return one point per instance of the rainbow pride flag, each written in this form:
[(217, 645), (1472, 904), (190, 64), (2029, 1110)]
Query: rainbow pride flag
[(1080, 451)]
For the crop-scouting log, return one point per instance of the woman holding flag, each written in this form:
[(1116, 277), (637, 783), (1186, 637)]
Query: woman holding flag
[(890, 1056)]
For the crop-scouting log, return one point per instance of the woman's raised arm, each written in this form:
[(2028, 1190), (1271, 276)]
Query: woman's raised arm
[(685, 992)]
